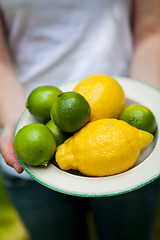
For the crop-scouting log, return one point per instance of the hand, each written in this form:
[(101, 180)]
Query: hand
[(7, 146)]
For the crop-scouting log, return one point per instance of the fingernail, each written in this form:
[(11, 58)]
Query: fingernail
[(15, 167)]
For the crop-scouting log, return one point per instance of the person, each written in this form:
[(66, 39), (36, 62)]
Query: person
[(53, 42)]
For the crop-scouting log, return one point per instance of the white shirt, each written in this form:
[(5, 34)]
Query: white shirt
[(56, 41)]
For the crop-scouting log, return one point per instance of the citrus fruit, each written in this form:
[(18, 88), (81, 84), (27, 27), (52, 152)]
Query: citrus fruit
[(60, 136), (104, 95), (40, 100), (140, 117), (70, 111), (103, 147), (35, 144)]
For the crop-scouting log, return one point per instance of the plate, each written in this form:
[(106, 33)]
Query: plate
[(146, 169)]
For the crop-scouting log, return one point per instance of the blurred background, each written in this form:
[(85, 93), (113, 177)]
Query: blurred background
[(11, 227)]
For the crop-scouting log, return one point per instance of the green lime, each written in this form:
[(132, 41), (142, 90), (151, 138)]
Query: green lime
[(70, 111), (140, 117), (59, 135), (35, 144), (40, 100)]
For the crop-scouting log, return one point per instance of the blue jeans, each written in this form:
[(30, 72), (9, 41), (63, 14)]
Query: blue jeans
[(54, 216)]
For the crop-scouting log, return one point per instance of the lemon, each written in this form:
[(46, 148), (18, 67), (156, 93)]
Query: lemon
[(140, 117), (104, 95), (40, 101), (60, 136), (103, 147), (35, 144), (70, 111)]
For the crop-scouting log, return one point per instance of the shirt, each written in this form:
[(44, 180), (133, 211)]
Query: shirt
[(56, 41)]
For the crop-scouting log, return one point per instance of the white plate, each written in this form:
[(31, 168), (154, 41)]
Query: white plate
[(146, 169)]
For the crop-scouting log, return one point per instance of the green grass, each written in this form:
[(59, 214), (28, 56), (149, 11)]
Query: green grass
[(11, 227)]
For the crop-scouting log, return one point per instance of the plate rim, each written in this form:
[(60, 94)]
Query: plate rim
[(79, 193)]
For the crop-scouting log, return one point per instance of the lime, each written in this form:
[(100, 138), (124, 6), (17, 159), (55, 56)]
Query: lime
[(35, 144), (70, 111), (40, 101), (140, 117), (60, 136)]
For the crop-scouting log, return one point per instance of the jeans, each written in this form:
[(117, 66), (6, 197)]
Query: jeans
[(55, 216)]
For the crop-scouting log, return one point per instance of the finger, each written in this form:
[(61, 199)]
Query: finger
[(7, 147), (8, 153)]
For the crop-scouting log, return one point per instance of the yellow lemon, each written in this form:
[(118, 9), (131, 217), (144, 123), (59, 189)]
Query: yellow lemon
[(104, 95), (103, 147)]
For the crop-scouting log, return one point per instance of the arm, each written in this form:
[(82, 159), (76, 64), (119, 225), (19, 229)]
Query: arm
[(12, 104), (146, 36)]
